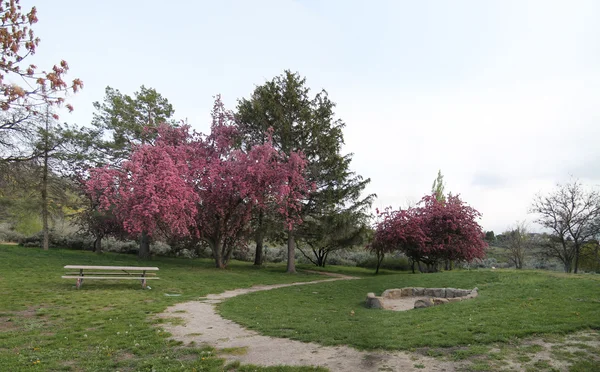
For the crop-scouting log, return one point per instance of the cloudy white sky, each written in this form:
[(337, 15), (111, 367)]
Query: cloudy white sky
[(502, 96)]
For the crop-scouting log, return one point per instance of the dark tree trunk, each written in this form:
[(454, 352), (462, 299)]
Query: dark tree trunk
[(567, 266), (291, 262), (258, 255), (379, 261), (259, 239), (46, 239), (412, 265), (98, 244), (576, 258), (144, 252)]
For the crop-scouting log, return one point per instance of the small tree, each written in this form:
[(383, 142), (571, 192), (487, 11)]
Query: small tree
[(571, 213), (151, 191), (431, 232), (438, 187), (518, 243), (25, 91), (399, 230), (490, 238)]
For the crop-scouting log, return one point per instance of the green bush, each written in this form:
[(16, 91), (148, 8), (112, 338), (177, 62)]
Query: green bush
[(391, 263), (7, 234)]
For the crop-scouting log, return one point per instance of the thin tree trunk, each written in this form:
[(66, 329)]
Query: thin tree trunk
[(259, 238), (258, 255), (576, 258), (291, 262), (46, 241), (98, 244), (217, 250), (144, 252), (379, 261)]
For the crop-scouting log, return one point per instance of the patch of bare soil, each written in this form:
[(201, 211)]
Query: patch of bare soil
[(204, 325)]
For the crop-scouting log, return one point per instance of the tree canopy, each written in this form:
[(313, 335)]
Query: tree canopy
[(301, 122), (431, 232), (186, 183)]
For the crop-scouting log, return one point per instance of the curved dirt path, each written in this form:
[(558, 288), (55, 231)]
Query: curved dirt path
[(202, 324)]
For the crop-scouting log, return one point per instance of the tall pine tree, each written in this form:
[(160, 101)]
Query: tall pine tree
[(303, 123)]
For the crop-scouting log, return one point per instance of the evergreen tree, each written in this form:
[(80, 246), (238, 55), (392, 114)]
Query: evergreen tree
[(284, 109)]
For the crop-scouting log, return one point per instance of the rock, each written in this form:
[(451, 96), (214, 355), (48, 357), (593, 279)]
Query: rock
[(392, 293), (418, 291), (419, 304), (454, 299), (450, 292), (439, 292), (428, 291), (439, 301), (407, 292), (462, 293), (374, 302)]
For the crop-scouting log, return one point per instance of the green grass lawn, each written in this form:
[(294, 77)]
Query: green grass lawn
[(511, 304), (45, 324)]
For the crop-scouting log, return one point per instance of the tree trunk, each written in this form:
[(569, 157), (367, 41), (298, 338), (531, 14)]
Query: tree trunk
[(447, 265), (576, 258), (412, 265), (567, 266), (258, 255), (98, 244), (144, 252), (218, 255), (291, 262), (379, 261), (259, 238), (46, 240)]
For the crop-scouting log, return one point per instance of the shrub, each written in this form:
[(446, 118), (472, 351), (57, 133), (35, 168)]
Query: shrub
[(389, 263), (7, 234)]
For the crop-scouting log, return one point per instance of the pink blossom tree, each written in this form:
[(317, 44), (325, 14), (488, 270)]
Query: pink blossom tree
[(193, 184), (151, 190), (231, 182), (433, 231)]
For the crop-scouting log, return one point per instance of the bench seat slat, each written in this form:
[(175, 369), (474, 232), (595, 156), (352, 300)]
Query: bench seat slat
[(85, 267), (109, 277), (109, 273)]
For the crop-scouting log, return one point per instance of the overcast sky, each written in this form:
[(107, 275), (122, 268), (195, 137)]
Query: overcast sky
[(502, 96)]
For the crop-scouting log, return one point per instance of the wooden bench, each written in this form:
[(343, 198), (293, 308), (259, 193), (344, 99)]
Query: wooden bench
[(110, 272)]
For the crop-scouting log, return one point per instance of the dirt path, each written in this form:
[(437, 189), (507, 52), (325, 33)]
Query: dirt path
[(202, 324)]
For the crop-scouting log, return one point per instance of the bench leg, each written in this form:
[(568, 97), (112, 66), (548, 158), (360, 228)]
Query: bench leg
[(144, 283), (79, 283)]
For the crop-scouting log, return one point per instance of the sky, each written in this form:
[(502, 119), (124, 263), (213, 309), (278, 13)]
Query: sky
[(502, 96)]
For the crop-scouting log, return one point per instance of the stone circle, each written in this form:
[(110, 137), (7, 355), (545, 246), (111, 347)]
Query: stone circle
[(424, 297)]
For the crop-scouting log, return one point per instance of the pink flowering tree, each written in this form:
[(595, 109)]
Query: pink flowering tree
[(201, 185), (452, 230), (397, 231), (431, 232), (231, 182), (151, 190)]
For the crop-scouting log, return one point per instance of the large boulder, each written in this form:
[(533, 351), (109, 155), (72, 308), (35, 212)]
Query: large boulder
[(374, 302), (392, 293), (451, 292), (407, 292), (427, 302), (418, 291), (439, 301), (439, 292)]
